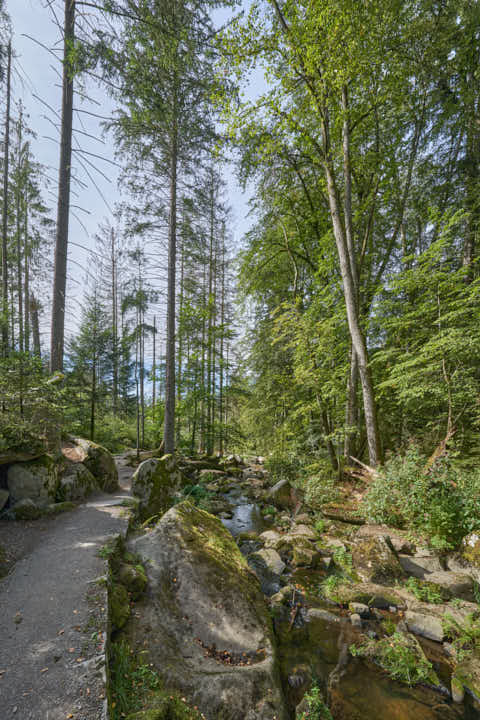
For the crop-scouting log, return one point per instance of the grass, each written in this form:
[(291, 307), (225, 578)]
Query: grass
[(400, 657), (425, 591)]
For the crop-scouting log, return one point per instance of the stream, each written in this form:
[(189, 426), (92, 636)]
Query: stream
[(311, 648)]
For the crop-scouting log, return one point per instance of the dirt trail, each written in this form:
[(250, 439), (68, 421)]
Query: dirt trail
[(53, 612)]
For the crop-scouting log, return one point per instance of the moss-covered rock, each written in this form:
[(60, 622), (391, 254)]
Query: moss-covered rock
[(60, 507), (26, 510), (467, 675), (35, 480), (375, 561), (376, 596), (76, 482), (99, 461), (165, 706), (133, 577), (209, 631), (471, 548), (119, 606), (155, 484)]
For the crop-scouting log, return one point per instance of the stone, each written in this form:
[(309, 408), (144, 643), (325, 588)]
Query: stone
[(272, 560), (133, 578), (209, 474), (356, 621), (35, 480), (457, 690), (283, 495), (375, 561), (304, 519), (4, 495), (321, 614), (466, 676), (455, 585), (396, 538), (420, 565), (76, 482), (26, 510), (471, 548), (271, 538), (209, 632), (283, 596), (428, 626), (375, 596), (155, 483), (305, 555), (97, 459), (303, 531), (359, 609)]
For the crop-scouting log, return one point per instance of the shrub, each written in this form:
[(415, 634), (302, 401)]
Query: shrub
[(442, 503), (425, 591), (321, 489), (282, 466), (317, 710)]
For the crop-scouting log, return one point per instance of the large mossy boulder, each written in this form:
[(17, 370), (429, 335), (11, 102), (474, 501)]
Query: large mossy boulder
[(76, 482), (375, 561), (35, 480), (97, 459), (155, 483), (284, 496), (204, 621)]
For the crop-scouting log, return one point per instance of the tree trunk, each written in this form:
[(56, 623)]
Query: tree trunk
[(154, 370), (356, 332), (63, 210), (114, 324), (92, 399), (180, 338), (26, 284), (37, 351), (4, 320), (169, 427)]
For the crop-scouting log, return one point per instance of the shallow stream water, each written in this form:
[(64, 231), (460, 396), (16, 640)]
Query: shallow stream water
[(309, 650)]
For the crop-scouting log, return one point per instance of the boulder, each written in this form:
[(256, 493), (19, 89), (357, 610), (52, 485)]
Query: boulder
[(396, 538), (76, 482), (271, 538), (420, 565), (26, 510), (97, 459), (305, 555), (454, 585), (303, 531), (426, 625), (375, 561), (283, 495), (35, 480), (4, 495), (267, 566), (204, 621), (471, 548), (467, 677), (155, 483)]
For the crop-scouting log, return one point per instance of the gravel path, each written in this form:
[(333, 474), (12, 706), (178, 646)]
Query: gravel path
[(53, 613)]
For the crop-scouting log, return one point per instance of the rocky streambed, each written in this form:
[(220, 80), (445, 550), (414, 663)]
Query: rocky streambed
[(245, 612)]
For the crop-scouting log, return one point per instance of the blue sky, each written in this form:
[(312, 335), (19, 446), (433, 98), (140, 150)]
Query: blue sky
[(36, 74)]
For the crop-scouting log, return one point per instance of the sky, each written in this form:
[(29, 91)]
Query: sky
[(36, 81)]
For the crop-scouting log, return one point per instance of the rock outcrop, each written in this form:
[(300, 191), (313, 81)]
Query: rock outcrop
[(97, 459), (35, 480), (155, 483), (203, 620)]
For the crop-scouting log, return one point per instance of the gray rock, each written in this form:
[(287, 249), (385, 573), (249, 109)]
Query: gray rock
[(26, 510), (356, 621), (155, 484), (359, 609), (76, 482), (4, 495), (396, 538), (455, 584), (97, 459), (283, 495), (203, 613), (35, 480), (375, 561), (321, 614), (270, 538), (420, 565), (428, 626), (272, 560), (303, 531)]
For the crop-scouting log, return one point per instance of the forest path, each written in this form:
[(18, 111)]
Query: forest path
[(53, 612)]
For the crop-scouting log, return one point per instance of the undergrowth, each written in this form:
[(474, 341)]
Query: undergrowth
[(317, 710), (398, 657)]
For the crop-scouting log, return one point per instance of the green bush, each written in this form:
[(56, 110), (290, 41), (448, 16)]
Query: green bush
[(321, 489), (283, 466), (317, 710), (442, 503), (425, 591)]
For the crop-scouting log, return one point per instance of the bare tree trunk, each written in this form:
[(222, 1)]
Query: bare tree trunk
[(26, 284), (63, 210), (18, 207), (114, 323), (169, 427), (222, 335), (5, 209), (93, 398), (154, 370), (34, 308), (351, 413), (180, 338)]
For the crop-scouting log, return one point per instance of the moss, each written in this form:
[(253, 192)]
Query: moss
[(367, 594), (60, 507), (119, 606), (133, 578), (471, 551), (166, 707)]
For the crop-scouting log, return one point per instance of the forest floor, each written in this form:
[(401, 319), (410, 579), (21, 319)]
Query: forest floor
[(54, 610)]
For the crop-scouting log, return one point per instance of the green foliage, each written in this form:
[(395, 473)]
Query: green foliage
[(442, 503), (343, 559), (465, 636), (317, 709), (282, 466), (321, 489), (425, 591), (319, 525), (398, 657), (330, 585)]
